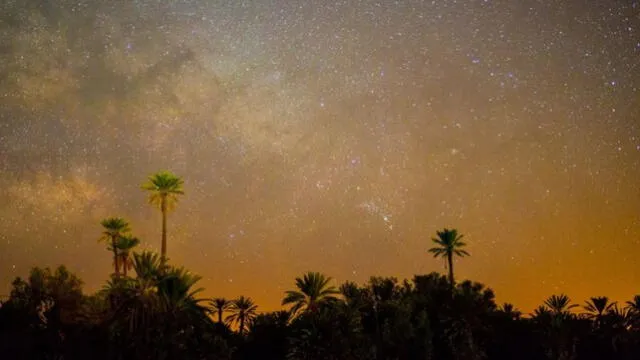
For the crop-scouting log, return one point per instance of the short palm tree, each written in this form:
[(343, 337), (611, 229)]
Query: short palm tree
[(243, 311), (176, 289), (597, 307), (125, 245), (559, 304), (148, 266), (449, 243), (164, 188), (541, 312), (220, 305), (633, 310), (313, 290), (113, 229), (158, 297), (509, 310), (634, 305)]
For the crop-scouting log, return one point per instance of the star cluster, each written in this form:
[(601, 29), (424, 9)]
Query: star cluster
[(335, 136)]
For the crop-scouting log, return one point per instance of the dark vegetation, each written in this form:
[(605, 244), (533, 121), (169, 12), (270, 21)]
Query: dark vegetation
[(150, 309)]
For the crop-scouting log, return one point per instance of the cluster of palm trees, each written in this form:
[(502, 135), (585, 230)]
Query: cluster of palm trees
[(152, 309), (313, 290), (242, 311), (164, 188)]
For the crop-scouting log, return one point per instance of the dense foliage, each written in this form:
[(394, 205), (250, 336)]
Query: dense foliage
[(156, 313)]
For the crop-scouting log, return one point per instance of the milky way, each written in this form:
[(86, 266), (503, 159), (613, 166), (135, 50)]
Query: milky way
[(330, 136)]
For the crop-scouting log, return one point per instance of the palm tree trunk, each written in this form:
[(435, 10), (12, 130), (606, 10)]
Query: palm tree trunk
[(241, 324), (163, 208), (115, 257), (450, 261), (220, 316), (125, 262)]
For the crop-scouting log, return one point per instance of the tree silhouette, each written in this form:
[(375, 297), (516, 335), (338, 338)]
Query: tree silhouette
[(510, 310), (125, 245), (243, 311), (155, 313), (313, 290), (114, 229), (449, 244), (164, 188), (47, 304), (148, 266), (633, 309), (597, 307), (634, 305), (220, 305), (559, 304)]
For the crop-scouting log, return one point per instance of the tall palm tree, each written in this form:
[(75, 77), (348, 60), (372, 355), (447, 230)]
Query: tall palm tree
[(597, 307), (449, 244), (220, 305), (113, 229), (243, 311), (313, 290), (125, 245), (164, 188)]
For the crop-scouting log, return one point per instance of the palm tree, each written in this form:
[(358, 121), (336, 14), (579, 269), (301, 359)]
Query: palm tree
[(114, 229), (597, 307), (147, 266), (449, 244), (541, 314), (164, 188), (634, 305), (559, 304), (313, 290), (177, 292), (509, 310), (633, 309), (124, 246), (243, 311), (220, 305), (159, 303)]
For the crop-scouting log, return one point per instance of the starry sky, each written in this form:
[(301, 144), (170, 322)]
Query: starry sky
[(333, 136)]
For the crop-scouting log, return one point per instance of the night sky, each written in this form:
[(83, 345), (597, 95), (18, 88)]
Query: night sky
[(332, 136)]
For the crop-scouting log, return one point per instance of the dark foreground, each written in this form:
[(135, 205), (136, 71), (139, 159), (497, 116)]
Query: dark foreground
[(157, 314)]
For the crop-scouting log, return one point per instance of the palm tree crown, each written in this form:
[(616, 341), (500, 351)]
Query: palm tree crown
[(220, 305), (559, 304), (176, 288), (313, 290), (511, 311), (449, 243), (597, 306), (148, 266), (164, 188), (634, 305), (113, 229), (243, 311)]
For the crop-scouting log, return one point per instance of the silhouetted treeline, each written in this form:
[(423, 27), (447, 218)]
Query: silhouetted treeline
[(155, 312)]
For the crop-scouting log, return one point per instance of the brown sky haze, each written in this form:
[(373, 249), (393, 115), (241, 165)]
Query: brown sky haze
[(333, 137)]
